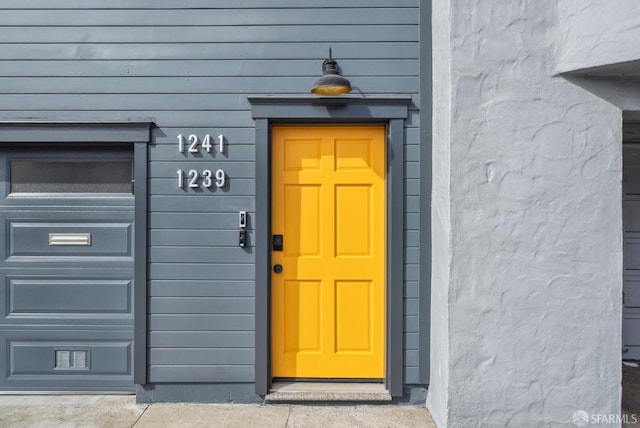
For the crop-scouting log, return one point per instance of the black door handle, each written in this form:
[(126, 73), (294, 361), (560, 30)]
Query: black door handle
[(277, 268)]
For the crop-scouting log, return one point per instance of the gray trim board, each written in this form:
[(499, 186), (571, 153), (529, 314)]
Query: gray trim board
[(424, 348), (138, 133), (395, 257), (263, 257), (339, 108), (140, 267), (74, 132), (392, 111)]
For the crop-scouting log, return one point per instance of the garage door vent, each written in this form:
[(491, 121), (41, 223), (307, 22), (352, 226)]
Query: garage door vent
[(71, 360)]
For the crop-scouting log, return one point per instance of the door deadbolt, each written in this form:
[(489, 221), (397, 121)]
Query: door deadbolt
[(277, 268)]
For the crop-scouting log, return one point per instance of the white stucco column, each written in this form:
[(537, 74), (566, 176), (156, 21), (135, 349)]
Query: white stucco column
[(527, 224)]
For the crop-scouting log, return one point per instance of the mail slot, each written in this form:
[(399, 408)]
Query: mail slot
[(69, 239)]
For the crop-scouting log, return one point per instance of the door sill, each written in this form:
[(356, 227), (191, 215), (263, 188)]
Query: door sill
[(327, 391)]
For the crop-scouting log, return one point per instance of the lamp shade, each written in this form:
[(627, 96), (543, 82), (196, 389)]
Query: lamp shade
[(331, 82)]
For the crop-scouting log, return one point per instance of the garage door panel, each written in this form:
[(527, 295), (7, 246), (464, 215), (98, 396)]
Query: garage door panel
[(67, 359), (78, 239), (75, 299)]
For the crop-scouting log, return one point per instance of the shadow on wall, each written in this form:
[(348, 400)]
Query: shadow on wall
[(618, 84)]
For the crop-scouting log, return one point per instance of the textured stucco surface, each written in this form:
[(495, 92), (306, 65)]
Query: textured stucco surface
[(527, 244), (597, 32)]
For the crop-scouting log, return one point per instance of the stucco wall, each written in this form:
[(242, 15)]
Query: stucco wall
[(526, 224), (597, 32)]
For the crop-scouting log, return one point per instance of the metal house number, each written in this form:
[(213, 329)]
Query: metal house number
[(205, 178), (193, 143), (196, 179)]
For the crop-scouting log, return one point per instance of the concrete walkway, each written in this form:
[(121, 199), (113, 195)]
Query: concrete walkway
[(122, 411)]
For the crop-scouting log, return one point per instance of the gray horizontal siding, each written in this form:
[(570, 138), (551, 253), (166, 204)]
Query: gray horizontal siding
[(411, 342), (411, 323), (411, 186), (411, 375), (202, 4), (193, 85), (206, 201), (411, 307), (202, 373), (234, 168), (412, 241), (202, 271), (207, 17), (194, 34), (201, 339), (201, 322), (201, 305), (189, 67), (412, 221), (227, 51), (411, 255), (200, 68), (412, 152), (411, 358), (191, 220), (199, 356), (196, 255), (236, 152), (168, 186), (202, 288), (411, 272), (411, 289)]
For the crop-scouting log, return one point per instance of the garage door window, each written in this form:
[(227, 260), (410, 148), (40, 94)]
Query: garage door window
[(41, 176)]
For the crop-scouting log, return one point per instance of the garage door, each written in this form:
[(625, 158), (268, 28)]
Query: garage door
[(66, 271)]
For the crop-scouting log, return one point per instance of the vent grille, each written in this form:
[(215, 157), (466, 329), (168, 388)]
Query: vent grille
[(71, 360)]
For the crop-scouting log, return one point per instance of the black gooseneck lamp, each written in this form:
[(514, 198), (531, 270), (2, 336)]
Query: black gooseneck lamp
[(331, 82)]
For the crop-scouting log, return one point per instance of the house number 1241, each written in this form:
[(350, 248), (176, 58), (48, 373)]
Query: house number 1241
[(192, 143)]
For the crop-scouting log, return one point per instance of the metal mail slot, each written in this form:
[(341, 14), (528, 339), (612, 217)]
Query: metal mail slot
[(69, 239)]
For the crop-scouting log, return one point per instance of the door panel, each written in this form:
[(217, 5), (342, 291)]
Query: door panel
[(328, 203)]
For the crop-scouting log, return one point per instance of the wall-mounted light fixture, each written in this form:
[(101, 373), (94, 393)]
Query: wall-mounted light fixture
[(331, 82)]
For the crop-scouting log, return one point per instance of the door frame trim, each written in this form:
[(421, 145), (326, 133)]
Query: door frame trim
[(392, 112)]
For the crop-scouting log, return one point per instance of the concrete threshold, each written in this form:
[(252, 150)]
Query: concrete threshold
[(327, 391)]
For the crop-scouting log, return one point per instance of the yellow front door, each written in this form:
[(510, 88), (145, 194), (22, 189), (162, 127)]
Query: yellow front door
[(328, 280)]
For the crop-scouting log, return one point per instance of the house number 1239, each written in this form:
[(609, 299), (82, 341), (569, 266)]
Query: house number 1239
[(197, 179)]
